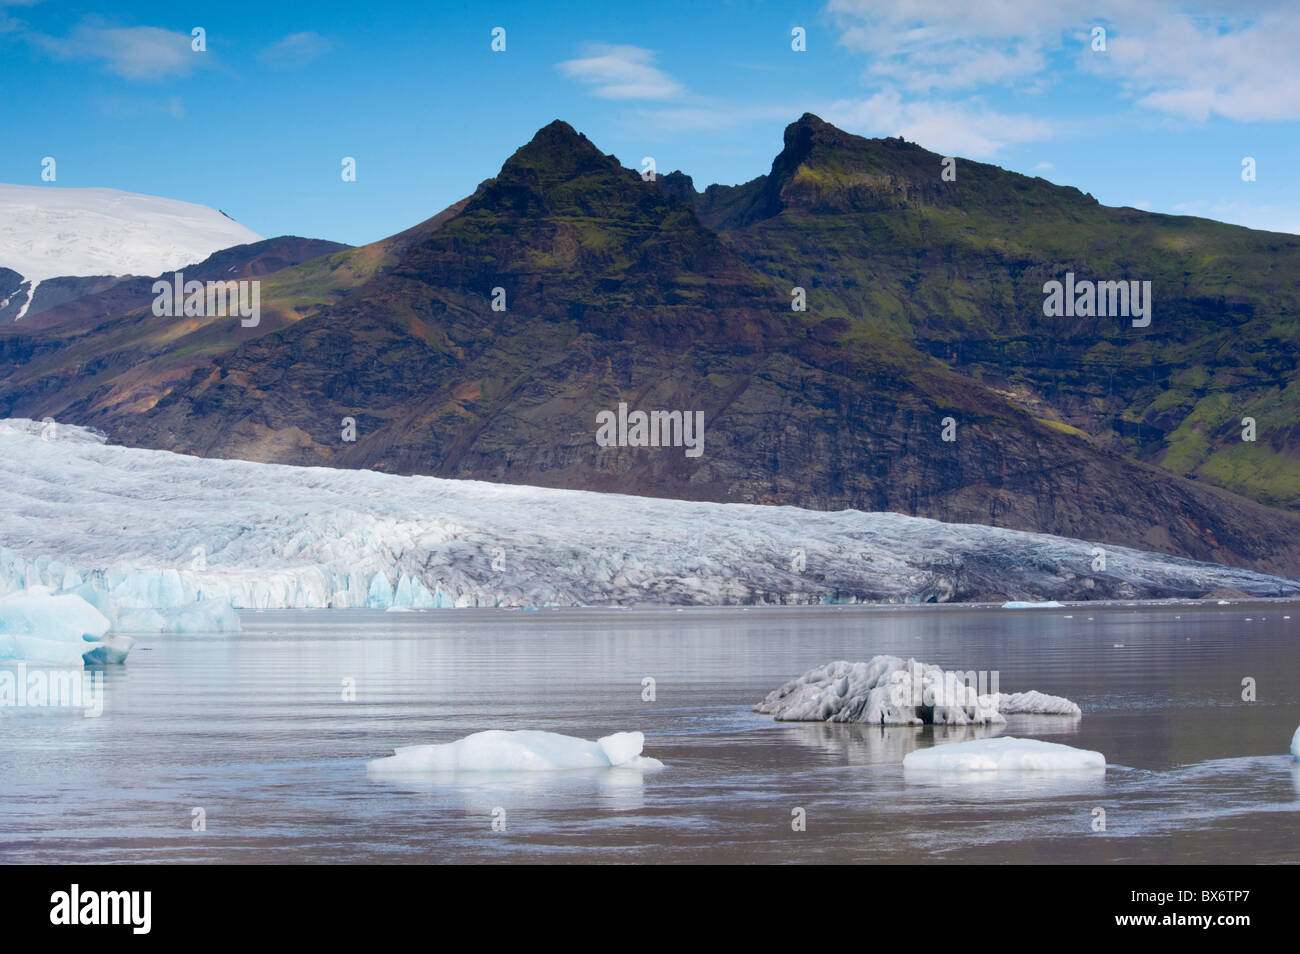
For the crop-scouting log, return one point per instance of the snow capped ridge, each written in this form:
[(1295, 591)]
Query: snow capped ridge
[(152, 529), (49, 231)]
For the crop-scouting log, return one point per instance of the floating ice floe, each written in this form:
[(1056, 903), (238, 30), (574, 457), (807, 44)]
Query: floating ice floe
[(1295, 745), (890, 691), (1005, 754), (1031, 604), (524, 750), (57, 630)]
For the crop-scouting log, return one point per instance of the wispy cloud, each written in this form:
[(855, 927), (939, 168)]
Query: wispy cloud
[(135, 53), (1193, 59), (1270, 218), (296, 50), (10, 24), (965, 129), (120, 107), (622, 72), (703, 117), (1246, 69)]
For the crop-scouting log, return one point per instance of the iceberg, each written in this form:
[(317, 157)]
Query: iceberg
[(56, 630), (1032, 604), (888, 690), (1295, 745), (1005, 754), (524, 750), (86, 516)]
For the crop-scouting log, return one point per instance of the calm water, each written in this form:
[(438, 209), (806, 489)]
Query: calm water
[(252, 729)]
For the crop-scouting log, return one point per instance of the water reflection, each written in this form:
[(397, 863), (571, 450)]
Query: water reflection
[(618, 789)]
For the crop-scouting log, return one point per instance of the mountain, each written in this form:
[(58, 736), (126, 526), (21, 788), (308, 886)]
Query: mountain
[(71, 351), (924, 321), (47, 232), (957, 268)]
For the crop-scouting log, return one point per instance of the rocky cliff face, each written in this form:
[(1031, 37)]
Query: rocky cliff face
[(486, 344)]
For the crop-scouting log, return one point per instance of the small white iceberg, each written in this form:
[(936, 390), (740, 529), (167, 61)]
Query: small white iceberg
[(1028, 604), (892, 691), (1295, 745), (524, 750), (65, 630), (1006, 754)]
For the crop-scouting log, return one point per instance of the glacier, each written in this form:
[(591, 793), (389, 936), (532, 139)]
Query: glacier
[(1004, 754), (49, 231), (161, 541), (888, 690), (522, 750)]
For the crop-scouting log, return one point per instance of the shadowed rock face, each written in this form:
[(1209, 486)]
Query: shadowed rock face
[(924, 303)]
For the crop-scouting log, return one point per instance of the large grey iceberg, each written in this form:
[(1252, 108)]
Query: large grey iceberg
[(888, 690)]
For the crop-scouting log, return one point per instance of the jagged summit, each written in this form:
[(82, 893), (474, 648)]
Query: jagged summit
[(557, 152), (823, 169)]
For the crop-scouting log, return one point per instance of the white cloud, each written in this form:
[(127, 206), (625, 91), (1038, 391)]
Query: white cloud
[(622, 72), (1193, 60), (1269, 218), (1244, 71), (137, 53), (954, 129), (923, 45), (296, 50)]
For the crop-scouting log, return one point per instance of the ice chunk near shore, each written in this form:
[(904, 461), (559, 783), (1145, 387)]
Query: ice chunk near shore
[(1295, 745), (1030, 604), (524, 750), (1005, 754), (890, 691), (56, 630)]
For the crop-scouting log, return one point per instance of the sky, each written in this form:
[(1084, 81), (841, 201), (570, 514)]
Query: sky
[(259, 121)]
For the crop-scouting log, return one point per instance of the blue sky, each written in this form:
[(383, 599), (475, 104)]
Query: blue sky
[(259, 123)]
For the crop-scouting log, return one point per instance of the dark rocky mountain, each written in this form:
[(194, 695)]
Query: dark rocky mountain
[(924, 304), (17, 298)]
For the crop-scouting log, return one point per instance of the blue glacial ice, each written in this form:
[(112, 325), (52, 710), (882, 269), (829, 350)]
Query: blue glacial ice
[(524, 750), (56, 630), (1004, 754)]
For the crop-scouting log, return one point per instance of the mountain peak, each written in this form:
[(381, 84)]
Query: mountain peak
[(809, 129), (556, 152)]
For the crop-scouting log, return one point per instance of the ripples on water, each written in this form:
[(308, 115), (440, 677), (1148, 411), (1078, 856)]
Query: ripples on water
[(252, 729)]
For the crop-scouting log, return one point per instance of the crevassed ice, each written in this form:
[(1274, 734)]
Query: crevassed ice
[(1004, 754), (888, 690), (153, 532), (523, 750)]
